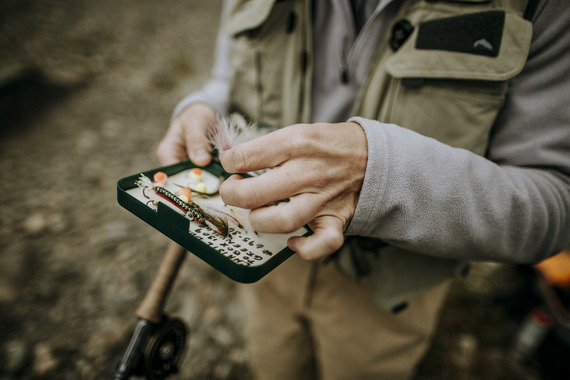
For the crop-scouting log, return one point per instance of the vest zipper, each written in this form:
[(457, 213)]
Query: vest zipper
[(258, 85), (382, 112), (344, 74), (349, 58), (345, 48)]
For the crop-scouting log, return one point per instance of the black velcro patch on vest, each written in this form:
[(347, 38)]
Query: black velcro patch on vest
[(474, 33)]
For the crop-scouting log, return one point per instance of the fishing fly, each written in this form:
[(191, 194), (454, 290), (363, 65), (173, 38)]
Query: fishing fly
[(230, 131), (189, 208)]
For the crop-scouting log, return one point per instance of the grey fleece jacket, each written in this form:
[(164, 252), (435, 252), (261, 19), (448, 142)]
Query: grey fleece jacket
[(424, 196)]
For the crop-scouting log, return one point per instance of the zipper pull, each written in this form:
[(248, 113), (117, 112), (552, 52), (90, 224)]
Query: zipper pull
[(344, 74)]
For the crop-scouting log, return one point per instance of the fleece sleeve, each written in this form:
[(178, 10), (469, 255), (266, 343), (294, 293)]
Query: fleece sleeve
[(512, 205)]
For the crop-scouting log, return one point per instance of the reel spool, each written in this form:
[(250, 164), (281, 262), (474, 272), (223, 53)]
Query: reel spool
[(165, 349)]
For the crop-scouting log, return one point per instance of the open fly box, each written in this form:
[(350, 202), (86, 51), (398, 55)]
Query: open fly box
[(242, 254)]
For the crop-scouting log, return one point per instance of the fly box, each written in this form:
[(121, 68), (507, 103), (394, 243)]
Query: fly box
[(218, 234)]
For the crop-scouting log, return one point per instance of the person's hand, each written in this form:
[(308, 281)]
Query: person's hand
[(319, 168), (187, 137)]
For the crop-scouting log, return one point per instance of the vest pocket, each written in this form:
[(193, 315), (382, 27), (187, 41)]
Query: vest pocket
[(260, 30), (454, 96), (446, 111)]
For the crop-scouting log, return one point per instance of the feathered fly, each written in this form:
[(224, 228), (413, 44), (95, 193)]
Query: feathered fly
[(191, 209)]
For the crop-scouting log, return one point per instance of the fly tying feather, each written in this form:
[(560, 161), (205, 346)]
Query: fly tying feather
[(233, 130), (230, 131)]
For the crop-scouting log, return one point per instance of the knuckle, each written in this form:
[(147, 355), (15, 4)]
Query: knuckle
[(239, 160), (333, 240), (290, 221), (292, 140), (302, 138)]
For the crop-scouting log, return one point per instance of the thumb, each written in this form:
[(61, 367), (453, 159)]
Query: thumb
[(200, 154), (327, 238), (195, 130)]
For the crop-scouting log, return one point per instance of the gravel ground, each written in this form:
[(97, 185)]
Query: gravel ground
[(86, 91)]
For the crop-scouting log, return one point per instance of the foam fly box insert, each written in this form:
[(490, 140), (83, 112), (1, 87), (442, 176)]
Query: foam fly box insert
[(242, 254)]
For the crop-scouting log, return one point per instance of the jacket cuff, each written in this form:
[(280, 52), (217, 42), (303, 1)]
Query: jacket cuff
[(373, 187), (197, 97)]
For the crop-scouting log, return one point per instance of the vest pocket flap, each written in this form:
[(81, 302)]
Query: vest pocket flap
[(432, 59), (249, 15)]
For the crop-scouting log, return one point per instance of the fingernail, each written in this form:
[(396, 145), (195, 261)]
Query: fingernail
[(201, 156), (291, 244)]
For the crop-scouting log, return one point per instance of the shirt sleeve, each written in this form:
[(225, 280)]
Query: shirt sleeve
[(215, 92), (512, 205)]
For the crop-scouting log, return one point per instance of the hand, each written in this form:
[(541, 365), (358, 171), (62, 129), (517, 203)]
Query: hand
[(186, 137), (318, 167)]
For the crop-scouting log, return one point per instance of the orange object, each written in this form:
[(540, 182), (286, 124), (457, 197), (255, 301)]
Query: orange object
[(185, 191), (556, 269), (160, 178), (196, 175)]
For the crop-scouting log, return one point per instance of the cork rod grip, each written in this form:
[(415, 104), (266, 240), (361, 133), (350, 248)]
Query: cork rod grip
[(153, 302)]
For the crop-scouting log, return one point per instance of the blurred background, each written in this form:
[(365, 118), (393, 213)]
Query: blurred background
[(86, 93)]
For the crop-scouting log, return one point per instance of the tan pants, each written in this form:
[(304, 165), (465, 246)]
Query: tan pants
[(310, 321)]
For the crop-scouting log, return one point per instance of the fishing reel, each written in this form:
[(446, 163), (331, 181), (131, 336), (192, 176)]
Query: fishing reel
[(164, 350), (157, 345), (155, 350)]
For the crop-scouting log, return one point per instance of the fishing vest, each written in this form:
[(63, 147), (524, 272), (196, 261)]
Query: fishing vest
[(441, 70)]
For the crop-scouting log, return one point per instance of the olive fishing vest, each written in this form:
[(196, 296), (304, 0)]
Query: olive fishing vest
[(442, 70)]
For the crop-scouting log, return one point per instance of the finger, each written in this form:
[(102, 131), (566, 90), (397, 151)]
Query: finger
[(326, 239), (197, 146), (170, 151), (194, 131), (186, 136), (264, 152), (286, 217), (277, 184)]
